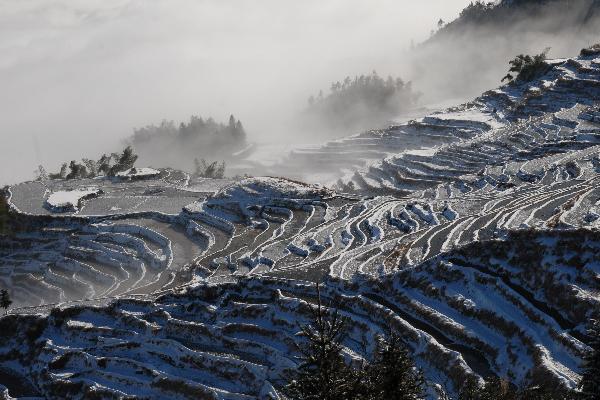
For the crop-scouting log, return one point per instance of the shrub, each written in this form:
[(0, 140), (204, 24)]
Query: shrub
[(213, 170), (527, 67)]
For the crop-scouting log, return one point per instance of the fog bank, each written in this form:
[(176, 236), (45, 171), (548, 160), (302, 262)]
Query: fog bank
[(77, 77)]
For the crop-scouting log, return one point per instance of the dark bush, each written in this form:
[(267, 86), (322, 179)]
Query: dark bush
[(527, 68)]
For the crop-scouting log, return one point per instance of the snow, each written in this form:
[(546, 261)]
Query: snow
[(70, 200)]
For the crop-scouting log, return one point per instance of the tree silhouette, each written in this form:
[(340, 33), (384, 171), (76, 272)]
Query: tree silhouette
[(527, 67), (125, 162), (392, 374), (323, 374), (5, 300), (590, 381), (4, 213), (360, 102)]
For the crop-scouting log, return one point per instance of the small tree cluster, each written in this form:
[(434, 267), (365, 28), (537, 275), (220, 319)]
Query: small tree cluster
[(197, 137), (361, 101), (108, 165), (214, 170), (527, 67), (323, 373), (476, 10), (195, 129), (124, 162)]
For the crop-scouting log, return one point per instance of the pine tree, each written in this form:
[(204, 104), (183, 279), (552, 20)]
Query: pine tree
[(92, 167), (4, 214), (104, 164), (125, 161), (63, 171), (5, 300), (392, 374), (527, 67), (590, 381), (323, 374), (220, 171), (41, 174), (211, 170), (77, 171), (240, 133)]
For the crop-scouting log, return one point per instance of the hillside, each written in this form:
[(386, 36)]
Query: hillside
[(467, 55), (480, 250)]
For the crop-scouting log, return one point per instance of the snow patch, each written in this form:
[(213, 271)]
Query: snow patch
[(70, 200)]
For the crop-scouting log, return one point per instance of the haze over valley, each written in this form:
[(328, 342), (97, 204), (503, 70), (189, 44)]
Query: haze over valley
[(283, 200)]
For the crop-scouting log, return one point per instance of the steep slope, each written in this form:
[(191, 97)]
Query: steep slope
[(471, 53)]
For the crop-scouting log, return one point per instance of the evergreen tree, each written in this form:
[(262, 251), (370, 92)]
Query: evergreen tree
[(63, 171), (125, 161), (220, 171), (4, 213), (527, 67), (392, 374), (104, 164), (77, 171), (240, 133), (210, 170), (213, 170), (92, 167), (5, 300), (590, 382), (323, 374), (41, 174)]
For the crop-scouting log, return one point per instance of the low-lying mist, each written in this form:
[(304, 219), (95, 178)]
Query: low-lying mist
[(471, 54), (79, 78)]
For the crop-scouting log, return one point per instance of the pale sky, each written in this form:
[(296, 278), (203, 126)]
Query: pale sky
[(77, 76)]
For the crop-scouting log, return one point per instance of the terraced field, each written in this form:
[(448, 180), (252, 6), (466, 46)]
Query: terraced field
[(481, 251)]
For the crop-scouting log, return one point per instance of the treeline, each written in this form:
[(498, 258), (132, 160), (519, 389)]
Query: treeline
[(513, 12), (106, 165), (362, 102), (391, 373), (467, 56), (168, 144)]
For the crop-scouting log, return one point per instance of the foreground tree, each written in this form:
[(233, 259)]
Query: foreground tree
[(323, 374), (590, 381), (392, 374), (5, 300)]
